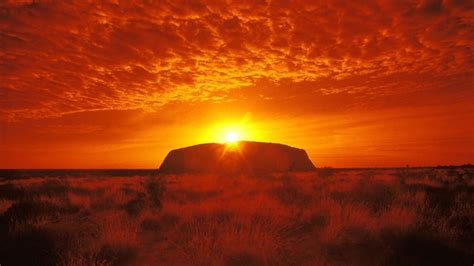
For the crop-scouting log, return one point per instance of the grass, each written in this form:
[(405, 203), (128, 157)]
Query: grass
[(327, 217)]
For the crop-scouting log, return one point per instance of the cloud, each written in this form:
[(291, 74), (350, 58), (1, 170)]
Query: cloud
[(60, 58)]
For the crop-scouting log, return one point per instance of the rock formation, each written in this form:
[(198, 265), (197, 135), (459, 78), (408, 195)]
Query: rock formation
[(240, 157)]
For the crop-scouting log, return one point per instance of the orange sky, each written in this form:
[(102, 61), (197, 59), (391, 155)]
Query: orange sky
[(117, 85)]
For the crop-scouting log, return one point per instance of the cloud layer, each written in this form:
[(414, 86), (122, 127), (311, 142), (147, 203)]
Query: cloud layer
[(63, 57)]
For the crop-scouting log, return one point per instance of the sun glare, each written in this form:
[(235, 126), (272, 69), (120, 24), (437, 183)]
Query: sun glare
[(230, 132), (231, 136)]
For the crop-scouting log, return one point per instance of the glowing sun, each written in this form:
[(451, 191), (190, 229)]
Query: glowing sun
[(230, 133), (231, 136)]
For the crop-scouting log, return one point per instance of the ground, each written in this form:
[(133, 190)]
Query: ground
[(419, 216)]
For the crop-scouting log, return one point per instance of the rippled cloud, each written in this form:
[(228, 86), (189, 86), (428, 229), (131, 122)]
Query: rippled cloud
[(64, 57)]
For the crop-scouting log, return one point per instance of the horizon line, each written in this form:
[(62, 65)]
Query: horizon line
[(317, 168)]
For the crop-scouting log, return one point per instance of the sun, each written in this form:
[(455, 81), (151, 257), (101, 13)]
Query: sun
[(230, 133), (231, 136)]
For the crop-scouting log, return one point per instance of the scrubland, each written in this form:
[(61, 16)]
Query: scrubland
[(327, 217)]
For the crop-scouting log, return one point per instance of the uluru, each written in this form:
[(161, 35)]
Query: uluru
[(239, 157)]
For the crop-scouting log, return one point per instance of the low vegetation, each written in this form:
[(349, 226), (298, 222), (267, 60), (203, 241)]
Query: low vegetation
[(327, 217)]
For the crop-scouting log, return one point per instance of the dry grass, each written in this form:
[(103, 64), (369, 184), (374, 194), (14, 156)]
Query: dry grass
[(330, 217)]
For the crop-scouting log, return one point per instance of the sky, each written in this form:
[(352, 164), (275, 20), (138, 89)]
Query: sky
[(118, 84)]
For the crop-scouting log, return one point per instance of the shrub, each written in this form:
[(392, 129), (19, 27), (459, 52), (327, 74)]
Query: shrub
[(135, 206), (326, 172), (155, 189), (12, 192), (29, 247), (115, 255), (150, 225), (419, 247), (31, 211), (290, 193), (243, 258)]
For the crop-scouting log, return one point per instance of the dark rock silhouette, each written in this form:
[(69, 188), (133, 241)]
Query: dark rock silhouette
[(240, 157)]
